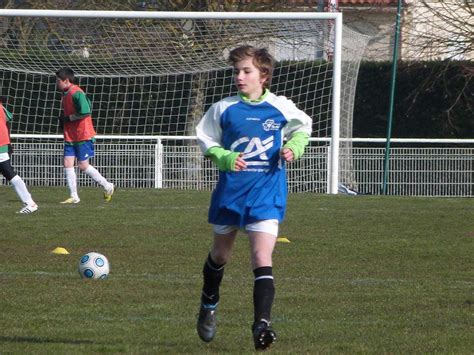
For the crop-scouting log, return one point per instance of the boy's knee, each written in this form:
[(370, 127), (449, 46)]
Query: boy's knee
[(83, 165), (220, 257), (7, 170)]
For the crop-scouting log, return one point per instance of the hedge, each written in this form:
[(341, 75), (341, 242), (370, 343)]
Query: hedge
[(432, 100)]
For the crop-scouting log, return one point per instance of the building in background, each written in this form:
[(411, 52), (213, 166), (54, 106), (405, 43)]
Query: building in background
[(438, 30), (375, 18), (430, 30)]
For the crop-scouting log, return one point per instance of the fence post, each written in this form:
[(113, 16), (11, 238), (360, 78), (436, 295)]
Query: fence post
[(328, 168), (158, 164)]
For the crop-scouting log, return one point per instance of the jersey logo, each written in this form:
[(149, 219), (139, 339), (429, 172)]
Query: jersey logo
[(255, 147), (270, 125)]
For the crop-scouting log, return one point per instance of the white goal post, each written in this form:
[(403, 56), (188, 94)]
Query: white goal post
[(155, 73)]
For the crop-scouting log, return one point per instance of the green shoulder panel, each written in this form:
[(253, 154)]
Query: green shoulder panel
[(81, 103), (8, 114)]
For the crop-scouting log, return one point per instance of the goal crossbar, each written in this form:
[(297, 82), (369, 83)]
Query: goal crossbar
[(173, 14), (336, 50)]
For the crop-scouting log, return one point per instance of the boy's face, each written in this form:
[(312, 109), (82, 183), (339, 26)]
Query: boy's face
[(62, 85), (248, 79)]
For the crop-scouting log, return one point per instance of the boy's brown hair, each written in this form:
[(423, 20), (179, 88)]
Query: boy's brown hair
[(66, 73), (262, 60)]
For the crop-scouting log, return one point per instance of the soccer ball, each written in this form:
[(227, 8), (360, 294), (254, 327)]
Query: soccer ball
[(93, 266)]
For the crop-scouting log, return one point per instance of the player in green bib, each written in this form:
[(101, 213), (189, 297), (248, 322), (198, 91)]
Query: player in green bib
[(6, 169), (79, 133)]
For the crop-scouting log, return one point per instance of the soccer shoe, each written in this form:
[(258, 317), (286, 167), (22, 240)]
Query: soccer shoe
[(263, 335), (108, 193), (27, 209), (71, 200), (206, 324)]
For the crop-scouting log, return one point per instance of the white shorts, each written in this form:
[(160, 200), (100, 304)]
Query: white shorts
[(4, 157), (269, 226)]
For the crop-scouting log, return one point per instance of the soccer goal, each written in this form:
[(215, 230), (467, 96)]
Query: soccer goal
[(152, 75)]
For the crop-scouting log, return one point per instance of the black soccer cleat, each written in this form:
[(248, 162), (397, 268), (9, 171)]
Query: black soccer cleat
[(263, 335), (206, 324)]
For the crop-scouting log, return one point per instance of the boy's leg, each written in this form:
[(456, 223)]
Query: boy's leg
[(212, 276), (263, 293), (263, 296), (22, 191), (213, 273), (262, 237), (84, 152), (71, 180), (97, 177), (213, 270), (70, 174), (109, 188), (19, 186)]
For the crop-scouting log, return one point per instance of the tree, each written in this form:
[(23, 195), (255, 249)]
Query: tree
[(431, 31), (441, 30), (438, 30)]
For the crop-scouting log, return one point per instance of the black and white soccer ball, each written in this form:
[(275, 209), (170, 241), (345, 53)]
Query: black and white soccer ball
[(94, 266)]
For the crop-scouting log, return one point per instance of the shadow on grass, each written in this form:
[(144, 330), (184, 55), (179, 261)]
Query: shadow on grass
[(14, 339), (142, 347)]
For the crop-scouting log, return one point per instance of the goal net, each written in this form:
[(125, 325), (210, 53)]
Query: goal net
[(155, 74)]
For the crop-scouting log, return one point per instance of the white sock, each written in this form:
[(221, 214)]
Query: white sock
[(21, 190), (71, 180), (94, 174)]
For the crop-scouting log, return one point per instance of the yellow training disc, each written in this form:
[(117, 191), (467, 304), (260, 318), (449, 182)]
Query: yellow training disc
[(60, 250)]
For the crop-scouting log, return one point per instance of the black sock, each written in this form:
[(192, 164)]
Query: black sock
[(263, 293), (213, 274)]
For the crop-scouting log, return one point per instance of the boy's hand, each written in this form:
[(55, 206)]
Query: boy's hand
[(226, 160), (61, 120), (240, 163), (287, 154), (10, 150), (294, 148)]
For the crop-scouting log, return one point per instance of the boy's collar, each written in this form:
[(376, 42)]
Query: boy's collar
[(260, 99), (68, 88)]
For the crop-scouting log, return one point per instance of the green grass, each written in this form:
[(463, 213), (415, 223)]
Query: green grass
[(362, 274)]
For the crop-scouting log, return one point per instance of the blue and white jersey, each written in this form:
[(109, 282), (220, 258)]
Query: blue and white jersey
[(257, 129)]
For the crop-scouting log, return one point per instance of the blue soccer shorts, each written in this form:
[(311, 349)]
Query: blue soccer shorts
[(82, 151)]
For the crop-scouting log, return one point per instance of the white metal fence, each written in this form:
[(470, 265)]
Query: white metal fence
[(416, 171), (417, 167)]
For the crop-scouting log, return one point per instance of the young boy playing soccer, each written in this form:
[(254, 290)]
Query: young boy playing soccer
[(6, 169), (243, 135), (79, 133)]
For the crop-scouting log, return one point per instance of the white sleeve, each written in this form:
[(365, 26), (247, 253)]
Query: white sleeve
[(298, 121), (209, 130)]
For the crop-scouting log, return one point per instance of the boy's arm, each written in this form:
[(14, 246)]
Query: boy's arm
[(223, 158), (209, 134), (297, 143), (9, 117), (8, 114), (82, 106), (298, 130)]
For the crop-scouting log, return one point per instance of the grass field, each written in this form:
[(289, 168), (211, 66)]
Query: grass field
[(362, 274)]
